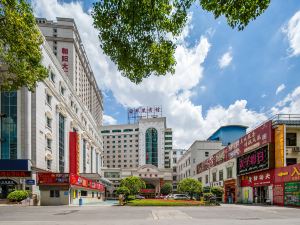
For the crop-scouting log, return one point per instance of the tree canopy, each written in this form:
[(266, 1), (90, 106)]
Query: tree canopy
[(166, 189), (134, 184), (190, 186), (140, 36), (20, 41)]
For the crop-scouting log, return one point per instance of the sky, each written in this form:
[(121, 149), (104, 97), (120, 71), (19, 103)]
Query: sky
[(223, 76)]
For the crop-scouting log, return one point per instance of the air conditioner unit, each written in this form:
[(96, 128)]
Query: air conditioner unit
[(296, 149)]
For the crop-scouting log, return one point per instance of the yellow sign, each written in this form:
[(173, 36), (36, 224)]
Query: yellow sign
[(295, 171), (281, 174), (279, 146)]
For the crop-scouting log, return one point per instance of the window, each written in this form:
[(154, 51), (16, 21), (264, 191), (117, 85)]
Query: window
[(291, 139), (49, 143), (220, 175), (214, 175), (49, 162), (52, 77), (105, 131), (206, 154), (206, 179), (116, 131), (62, 90), (54, 193), (200, 179), (84, 193), (168, 138), (194, 160), (229, 172), (49, 122), (127, 130), (48, 99)]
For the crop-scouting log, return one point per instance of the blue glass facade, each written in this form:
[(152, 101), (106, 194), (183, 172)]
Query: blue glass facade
[(8, 110), (151, 147)]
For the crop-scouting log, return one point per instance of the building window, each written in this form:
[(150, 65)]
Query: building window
[(49, 162), (8, 126), (54, 193), (49, 122), (151, 147), (291, 139), (83, 193), (229, 172), (48, 99), (52, 77), (206, 179), (206, 154), (49, 143), (61, 143), (200, 179), (214, 175), (220, 175)]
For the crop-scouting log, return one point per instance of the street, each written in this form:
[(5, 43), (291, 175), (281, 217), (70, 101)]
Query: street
[(115, 215)]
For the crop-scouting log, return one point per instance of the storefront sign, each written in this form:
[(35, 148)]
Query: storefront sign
[(15, 174), (279, 146), (262, 178), (278, 194), (14, 165), (84, 182), (30, 182), (53, 178), (292, 194), (74, 152), (287, 174), (7, 182), (65, 59), (253, 161)]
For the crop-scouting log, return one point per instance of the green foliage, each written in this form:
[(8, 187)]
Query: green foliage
[(17, 196), (237, 12), (130, 198), (190, 186), (217, 191), (123, 191), (20, 40), (166, 189), (164, 202), (140, 37), (134, 184)]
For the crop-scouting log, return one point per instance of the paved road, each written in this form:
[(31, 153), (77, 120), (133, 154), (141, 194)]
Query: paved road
[(116, 215)]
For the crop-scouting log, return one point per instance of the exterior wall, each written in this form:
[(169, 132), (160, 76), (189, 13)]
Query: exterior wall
[(290, 150), (228, 134), (47, 200)]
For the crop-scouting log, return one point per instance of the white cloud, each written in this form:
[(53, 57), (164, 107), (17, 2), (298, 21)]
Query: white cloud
[(109, 120), (226, 59), (263, 95), (289, 105), (293, 34), (280, 88), (173, 92)]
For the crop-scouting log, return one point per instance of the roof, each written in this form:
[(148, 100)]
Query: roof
[(231, 125)]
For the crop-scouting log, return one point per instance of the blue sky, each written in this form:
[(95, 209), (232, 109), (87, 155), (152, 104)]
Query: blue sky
[(205, 95)]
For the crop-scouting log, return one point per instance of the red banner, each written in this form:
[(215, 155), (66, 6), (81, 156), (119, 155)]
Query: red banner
[(15, 174), (73, 150), (52, 178), (263, 178), (287, 174), (278, 194), (84, 182)]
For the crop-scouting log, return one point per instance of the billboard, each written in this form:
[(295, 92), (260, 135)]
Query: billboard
[(279, 146), (135, 114), (287, 174), (52, 178), (261, 178), (253, 161), (74, 149)]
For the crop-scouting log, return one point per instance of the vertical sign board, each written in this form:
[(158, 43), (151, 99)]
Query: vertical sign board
[(279, 146), (292, 194), (74, 156)]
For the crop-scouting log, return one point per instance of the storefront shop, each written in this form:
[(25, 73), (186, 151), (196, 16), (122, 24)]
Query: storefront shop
[(257, 187), (287, 186), (230, 194), (65, 189)]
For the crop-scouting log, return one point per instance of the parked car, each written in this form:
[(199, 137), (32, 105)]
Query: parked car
[(169, 196), (181, 197), (139, 197)]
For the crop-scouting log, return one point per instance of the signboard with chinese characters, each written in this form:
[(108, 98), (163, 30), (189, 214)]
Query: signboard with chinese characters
[(261, 178), (278, 194), (253, 161), (15, 174), (74, 152), (287, 174), (52, 178), (279, 146), (65, 59), (292, 194), (135, 114), (84, 182)]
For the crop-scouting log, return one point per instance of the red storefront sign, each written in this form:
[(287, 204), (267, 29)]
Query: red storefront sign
[(145, 191), (15, 174), (52, 178), (278, 194), (74, 152), (287, 174), (263, 178), (84, 182)]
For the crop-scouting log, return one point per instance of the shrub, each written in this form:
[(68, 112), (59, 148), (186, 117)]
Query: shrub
[(166, 189), (17, 196), (130, 198), (208, 196)]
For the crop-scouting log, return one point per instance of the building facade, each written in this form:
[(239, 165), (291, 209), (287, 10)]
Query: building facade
[(37, 138)]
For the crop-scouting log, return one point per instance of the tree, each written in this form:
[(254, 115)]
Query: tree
[(20, 41), (134, 184), (217, 191), (140, 37), (166, 189), (190, 186)]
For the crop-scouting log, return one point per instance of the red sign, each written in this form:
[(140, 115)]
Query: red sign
[(15, 174), (278, 194), (264, 178), (287, 174), (147, 191), (65, 60), (73, 150), (52, 178), (84, 182)]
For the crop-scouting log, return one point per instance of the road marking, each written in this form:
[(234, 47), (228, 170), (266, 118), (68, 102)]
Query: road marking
[(169, 214)]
